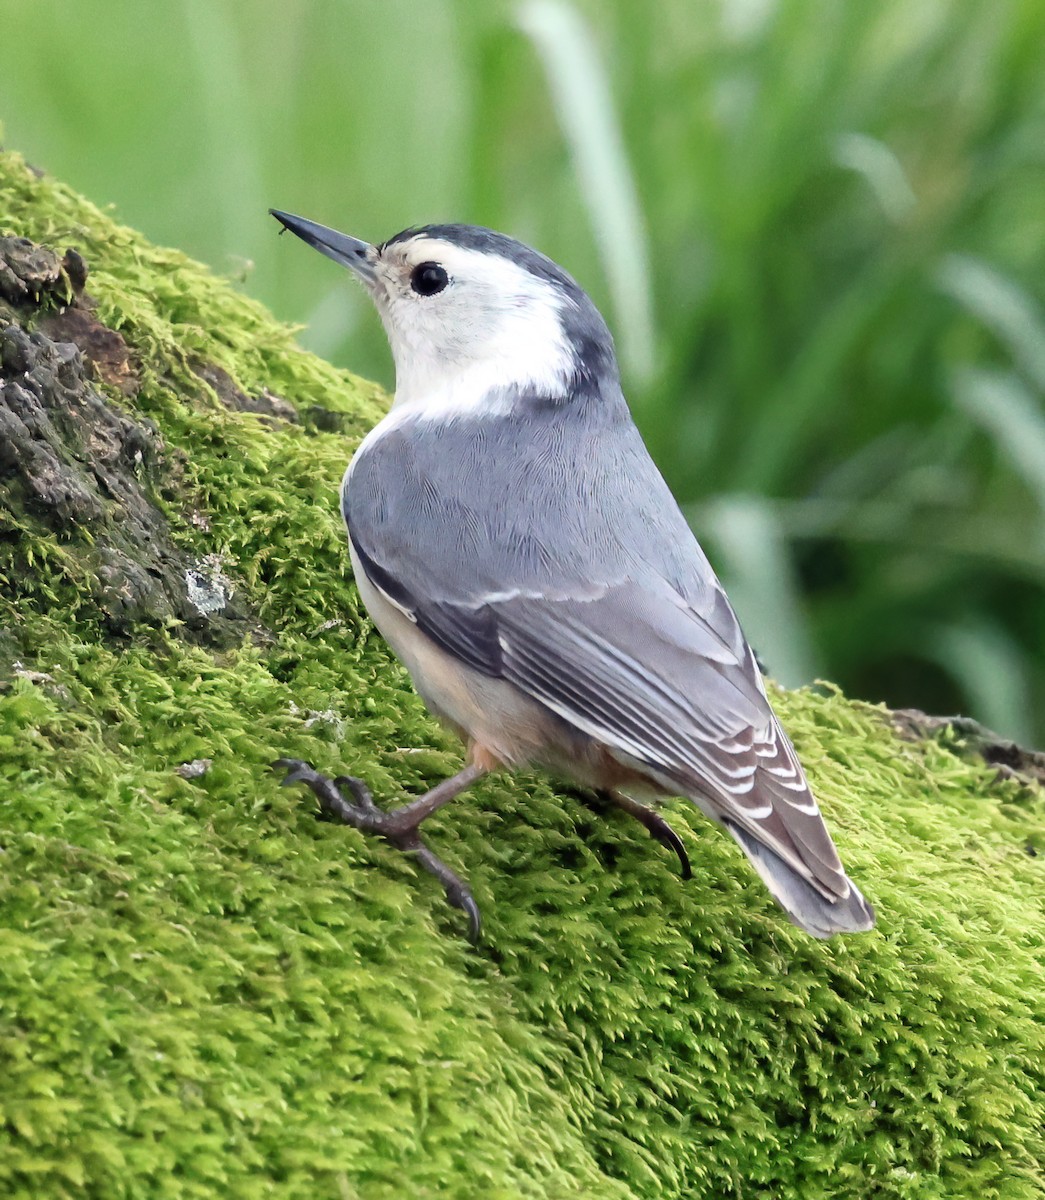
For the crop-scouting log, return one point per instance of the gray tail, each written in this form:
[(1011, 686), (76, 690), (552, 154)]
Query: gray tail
[(807, 907)]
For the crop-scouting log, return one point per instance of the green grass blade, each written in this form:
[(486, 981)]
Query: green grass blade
[(584, 103)]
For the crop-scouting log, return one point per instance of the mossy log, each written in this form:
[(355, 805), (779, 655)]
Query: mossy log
[(204, 992)]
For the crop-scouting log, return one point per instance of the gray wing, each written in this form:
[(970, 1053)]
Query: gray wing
[(586, 589)]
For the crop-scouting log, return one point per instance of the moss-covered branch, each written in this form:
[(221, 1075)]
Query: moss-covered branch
[(203, 992)]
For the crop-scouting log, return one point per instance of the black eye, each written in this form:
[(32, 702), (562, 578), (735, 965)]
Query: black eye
[(428, 278)]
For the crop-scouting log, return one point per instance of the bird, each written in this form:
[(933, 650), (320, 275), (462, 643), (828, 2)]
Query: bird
[(517, 547)]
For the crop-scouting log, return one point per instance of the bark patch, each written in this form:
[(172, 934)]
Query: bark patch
[(84, 475)]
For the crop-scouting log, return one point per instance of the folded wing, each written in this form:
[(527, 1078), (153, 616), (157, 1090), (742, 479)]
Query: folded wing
[(635, 666)]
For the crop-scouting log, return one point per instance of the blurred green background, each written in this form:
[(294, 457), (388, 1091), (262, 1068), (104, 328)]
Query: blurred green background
[(817, 228)]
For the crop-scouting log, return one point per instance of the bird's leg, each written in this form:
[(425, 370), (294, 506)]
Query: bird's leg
[(399, 826), (652, 820)]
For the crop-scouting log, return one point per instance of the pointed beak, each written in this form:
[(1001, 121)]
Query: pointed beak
[(348, 251)]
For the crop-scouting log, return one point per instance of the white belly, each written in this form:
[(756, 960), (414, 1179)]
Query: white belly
[(490, 712)]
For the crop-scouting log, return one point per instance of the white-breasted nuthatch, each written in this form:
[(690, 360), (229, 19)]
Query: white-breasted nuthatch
[(521, 553)]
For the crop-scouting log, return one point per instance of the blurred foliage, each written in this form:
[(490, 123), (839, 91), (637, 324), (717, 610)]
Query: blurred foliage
[(816, 227)]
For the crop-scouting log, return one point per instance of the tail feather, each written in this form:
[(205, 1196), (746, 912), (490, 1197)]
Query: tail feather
[(807, 907)]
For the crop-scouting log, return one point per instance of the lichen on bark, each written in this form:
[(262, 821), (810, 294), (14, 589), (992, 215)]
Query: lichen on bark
[(203, 992)]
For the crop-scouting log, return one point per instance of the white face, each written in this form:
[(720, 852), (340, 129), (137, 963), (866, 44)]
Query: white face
[(462, 322)]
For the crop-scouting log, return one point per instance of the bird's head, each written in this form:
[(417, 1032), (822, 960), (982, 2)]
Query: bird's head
[(471, 313)]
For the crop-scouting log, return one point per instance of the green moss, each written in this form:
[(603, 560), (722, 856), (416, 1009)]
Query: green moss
[(204, 992)]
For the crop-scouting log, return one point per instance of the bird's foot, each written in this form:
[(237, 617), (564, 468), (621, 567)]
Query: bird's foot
[(399, 826), (658, 827)]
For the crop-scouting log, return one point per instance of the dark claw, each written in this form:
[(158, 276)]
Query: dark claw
[(359, 790), (475, 921), (457, 891), (295, 768), (657, 826), (667, 836), (460, 897), (332, 805)]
